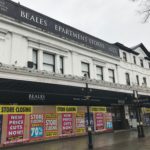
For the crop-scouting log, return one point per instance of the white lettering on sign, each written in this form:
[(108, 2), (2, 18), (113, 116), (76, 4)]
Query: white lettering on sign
[(33, 18)]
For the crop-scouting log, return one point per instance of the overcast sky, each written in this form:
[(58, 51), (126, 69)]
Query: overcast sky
[(109, 20)]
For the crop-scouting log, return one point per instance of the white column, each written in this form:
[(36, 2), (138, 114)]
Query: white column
[(105, 73), (40, 60), (30, 54)]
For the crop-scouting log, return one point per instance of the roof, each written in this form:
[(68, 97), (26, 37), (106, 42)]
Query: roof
[(125, 48), (141, 45)]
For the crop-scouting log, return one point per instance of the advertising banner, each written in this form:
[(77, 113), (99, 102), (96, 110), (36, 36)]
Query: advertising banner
[(108, 121), (66, 109), (15, 128), (67, 124), (15, 109), (36, 126), (98, 109), (51, 125), (91, 120), (80, 123), (99, 119)]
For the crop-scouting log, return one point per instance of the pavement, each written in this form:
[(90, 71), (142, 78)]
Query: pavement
[(123, 140)]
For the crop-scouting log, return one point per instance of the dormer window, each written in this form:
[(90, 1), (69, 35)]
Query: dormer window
[(124, 56), (141, 62)]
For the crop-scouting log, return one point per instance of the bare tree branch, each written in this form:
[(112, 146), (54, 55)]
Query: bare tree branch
[(144, 9)]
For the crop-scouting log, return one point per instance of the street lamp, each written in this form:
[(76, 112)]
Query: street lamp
[(89, 129), (138, 114)]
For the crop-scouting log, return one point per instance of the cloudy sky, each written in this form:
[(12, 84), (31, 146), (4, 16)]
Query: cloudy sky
[(110, 20)]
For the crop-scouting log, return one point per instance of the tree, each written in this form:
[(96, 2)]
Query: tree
[(144, 9)]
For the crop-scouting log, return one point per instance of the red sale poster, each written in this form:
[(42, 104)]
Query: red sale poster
[(67, 124), (15, 127), (99, 118)]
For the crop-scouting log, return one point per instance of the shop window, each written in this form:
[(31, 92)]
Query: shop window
[(99, 71), (127, 78), (85, 69), (48, 62), (111, 75), (35, 59)]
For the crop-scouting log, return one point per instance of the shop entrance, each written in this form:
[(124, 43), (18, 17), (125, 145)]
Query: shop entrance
[(118, 115)]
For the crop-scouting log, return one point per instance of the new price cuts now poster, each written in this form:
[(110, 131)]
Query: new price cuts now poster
[(15, 128), (67, 124)]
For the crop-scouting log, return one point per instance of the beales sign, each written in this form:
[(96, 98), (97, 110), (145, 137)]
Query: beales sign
[(50, 25)]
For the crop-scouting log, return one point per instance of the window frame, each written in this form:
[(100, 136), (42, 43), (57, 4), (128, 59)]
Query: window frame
[(61, 67), (48, 64), (35, 64), (85, 72), (127, 78), (102, 73), (112, 77), (142, 63), (124, 56)]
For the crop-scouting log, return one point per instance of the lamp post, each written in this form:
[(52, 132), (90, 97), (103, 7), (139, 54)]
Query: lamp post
[(89, 128), (138, 114)]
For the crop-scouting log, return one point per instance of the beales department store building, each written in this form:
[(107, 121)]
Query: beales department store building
[(42, 85)]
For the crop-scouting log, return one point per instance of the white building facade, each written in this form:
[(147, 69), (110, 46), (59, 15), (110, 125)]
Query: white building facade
[(35, 49)]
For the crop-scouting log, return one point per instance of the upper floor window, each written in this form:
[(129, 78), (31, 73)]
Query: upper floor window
[(111, 75), (99, 72), (124, 56), (127, 79), (144, 81), (61, 65), (49, 62), (134, 59), (35, 59), (85, 69), (137, 80), (141, 62)]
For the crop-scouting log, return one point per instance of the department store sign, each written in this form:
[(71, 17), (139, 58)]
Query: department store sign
[(28, 16)]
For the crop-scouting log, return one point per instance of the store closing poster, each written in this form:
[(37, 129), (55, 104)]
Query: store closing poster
[(67, 123), (80, 123), (51, 125), (36, 126), (15, 128)]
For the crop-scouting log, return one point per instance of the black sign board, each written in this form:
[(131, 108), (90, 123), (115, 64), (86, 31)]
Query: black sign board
[(49, 25)]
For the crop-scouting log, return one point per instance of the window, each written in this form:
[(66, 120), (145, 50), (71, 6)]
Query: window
[(149, 64), (48, 62), (134, 59), (111, 75), (141, 62), (85, 69), (99, 71), (124, 56), (137, 80), (127, 79), (144, 81), (35, 59), (61, 65)]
